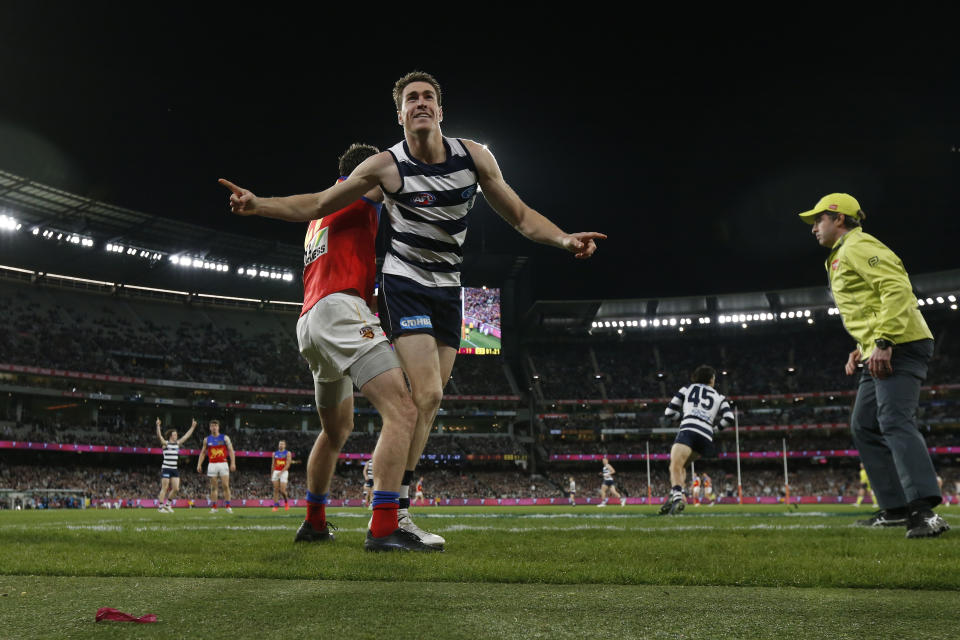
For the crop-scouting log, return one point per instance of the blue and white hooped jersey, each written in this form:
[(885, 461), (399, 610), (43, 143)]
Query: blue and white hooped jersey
[(607, 472), (368, 471), (428, 215), (700, 407), (171, 452)]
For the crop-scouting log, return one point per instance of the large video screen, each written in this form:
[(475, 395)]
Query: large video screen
[(480, 331)]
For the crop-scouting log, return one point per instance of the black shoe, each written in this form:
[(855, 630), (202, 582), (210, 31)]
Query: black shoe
[(883, 518), (926, 524), (399, 540), (665, 508), (677, 506), (306, 533)]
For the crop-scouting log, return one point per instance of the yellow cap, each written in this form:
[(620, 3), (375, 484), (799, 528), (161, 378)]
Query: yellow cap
[(836, 203)]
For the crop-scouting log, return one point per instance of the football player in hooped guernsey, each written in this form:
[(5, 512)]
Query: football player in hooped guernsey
[(217, 447), (279, 474), (429, 183), (344, 345)]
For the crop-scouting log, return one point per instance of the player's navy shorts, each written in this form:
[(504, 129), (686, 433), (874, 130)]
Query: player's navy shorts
[(699, 443), (368, 483), (169, 473), (609, 483), (406, 307)]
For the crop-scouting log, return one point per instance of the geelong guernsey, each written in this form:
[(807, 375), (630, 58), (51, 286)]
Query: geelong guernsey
[(700, 408), (171, 451), (428, 215), (339, 253)]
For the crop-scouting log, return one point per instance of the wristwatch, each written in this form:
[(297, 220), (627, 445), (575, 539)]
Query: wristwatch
[(882, 343)]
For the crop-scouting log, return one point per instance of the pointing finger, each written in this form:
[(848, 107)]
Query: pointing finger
[(229, 185)]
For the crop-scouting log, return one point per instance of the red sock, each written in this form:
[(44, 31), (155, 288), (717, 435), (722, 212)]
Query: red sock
[(384, 519), (317, 515)]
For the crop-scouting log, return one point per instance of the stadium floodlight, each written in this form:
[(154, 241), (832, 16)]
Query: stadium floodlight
[(952, 298), (783, 315), (9, 223), (643, 324), (929, 300), (791, 315), (36, 230), (744, 325), (681, 329), (954, 307), (288, 277), (939, 299), (920, 302), (806, 313), (809, 320), (656, 322)]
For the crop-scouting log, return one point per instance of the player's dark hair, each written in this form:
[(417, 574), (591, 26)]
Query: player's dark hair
[(215, 421), (354, 155), (415, 76), (849, 222), (169, 434), (703, 374)]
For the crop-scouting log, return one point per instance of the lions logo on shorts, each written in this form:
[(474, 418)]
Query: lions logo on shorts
[(366, 331)]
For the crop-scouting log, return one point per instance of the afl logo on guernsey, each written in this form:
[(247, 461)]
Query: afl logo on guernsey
[(468, 193), (423, 199)]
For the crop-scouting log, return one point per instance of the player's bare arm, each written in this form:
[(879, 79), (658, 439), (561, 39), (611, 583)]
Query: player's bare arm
[(233, 460), (160, 434), (364, 181), (193, 425), (530, 223), (203, 454)]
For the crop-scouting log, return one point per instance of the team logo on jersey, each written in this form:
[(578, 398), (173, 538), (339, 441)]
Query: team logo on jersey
[(366, 331), (423, 199), (468, 192), (416, 322), (874, 261), (315, 242), (835, 264)]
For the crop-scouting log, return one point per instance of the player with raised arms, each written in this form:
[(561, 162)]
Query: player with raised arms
[(429, 184), (169, 474), (702, 411), (280, 474), (217, 447)]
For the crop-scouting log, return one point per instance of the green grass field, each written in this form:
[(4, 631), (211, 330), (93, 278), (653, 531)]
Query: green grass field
[(545, 572)]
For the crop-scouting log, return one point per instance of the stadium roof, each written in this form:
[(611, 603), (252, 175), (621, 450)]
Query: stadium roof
[(36, 204), (574, 317)]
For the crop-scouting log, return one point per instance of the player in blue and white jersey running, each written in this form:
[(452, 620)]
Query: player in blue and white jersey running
[(169, 474), (609, 485), (702, 411), (429, 183)]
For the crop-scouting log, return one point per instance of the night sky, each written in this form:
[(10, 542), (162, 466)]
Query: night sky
[(694, 155)]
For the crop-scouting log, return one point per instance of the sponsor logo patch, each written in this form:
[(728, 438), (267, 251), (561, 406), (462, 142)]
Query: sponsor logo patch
[(468, 192), (423, 199), (835, 264), (832, 207), (874, 261), (366, 331), (416, 322)]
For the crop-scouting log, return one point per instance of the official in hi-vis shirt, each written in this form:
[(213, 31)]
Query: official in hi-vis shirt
[(875, 298)]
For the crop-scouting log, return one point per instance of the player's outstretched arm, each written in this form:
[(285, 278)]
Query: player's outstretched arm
[(193, 425), (160, 434), (527, 221), (305, 207)]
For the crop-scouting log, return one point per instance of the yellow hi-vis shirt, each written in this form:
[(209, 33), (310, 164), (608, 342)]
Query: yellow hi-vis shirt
[(873, 293)]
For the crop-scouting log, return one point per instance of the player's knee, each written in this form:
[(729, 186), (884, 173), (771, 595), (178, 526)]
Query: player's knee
[(428, 400)]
